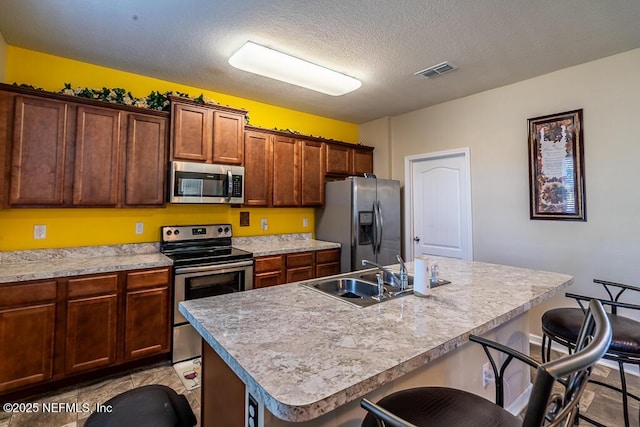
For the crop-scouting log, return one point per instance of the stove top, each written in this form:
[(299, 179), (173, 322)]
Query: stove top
[(194, 245)]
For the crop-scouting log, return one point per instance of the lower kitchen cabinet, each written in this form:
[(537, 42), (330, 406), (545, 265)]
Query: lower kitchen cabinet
[(27, 326), (274, 270), (147, 317), (92, 321), (55, 329)]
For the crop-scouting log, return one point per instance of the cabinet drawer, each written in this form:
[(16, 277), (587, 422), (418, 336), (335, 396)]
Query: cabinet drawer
[(327, 269), (268, 263), (92, 285), (301, 259), (327, 255), (298, 274), (264, 280), (148, 278), (16, 295)]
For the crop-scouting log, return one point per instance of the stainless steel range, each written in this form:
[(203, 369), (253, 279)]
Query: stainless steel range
[(204, 264)]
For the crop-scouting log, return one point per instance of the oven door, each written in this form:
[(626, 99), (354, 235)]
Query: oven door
[(201, 282), (211, 280)]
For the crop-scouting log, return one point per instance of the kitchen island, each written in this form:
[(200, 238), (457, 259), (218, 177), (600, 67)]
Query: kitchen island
[(308, 358)]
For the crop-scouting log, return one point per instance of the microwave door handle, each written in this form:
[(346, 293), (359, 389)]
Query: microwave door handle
[(229, 184)]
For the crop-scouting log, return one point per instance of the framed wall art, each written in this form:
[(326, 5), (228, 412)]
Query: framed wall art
[(556, 167)]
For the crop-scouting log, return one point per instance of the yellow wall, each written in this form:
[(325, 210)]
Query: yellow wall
[(81, 227)]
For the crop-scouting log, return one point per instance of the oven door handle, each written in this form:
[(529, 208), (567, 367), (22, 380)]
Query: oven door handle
[(212, 268)]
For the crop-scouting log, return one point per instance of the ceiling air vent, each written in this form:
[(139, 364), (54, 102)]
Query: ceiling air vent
[(436, 70)]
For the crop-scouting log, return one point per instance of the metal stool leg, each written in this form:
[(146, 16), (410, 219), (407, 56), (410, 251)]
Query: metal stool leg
[(625, 398)]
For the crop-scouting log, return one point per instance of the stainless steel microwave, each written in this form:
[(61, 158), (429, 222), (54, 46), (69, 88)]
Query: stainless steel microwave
[(206, 183)]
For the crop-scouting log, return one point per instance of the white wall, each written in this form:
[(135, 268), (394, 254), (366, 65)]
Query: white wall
[(493, 125), (3, 59)]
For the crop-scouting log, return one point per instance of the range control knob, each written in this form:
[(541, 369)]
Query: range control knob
[(169, 233), (219, 230), (226, 229), (176, 232)]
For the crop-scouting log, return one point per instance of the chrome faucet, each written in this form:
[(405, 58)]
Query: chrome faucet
[(403, 280), (404, 276)]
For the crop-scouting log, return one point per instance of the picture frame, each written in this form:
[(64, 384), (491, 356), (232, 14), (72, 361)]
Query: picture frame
[(556, 167)]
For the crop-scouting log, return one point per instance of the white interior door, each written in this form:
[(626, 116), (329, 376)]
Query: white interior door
[(438, 198)]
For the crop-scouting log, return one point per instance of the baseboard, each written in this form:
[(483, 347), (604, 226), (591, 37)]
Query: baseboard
[(521, 402), (633, 369)]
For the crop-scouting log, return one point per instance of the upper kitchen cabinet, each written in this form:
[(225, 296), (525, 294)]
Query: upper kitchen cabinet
[(286, 171), (312, 173), (257, 161), (146, 160), (343, 160), (206, 133), (63, 151)]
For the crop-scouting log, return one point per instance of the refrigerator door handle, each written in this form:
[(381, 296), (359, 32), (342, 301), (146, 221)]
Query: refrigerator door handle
[(381, 222), (377, 241)]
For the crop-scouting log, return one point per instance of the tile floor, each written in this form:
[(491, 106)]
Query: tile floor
[(601, 404), (99, 392)]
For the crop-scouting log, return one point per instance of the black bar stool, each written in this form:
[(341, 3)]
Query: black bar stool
[(147, 406), (561, 325), (447, 407)]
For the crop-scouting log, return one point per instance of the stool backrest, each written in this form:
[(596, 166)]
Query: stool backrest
[(553, 409)]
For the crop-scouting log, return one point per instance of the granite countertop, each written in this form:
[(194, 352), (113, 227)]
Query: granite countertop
[(281, 244), (304, 354), (21, 266)]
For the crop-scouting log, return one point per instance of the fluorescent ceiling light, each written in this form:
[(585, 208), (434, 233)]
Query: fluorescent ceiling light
[(267, 62)]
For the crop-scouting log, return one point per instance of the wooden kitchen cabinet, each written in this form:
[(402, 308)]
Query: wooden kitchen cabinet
[(258, 163), (146, 160), (64, 151), (286, 171), (345, 160), (206, 133), (362, 161), (92, 320), (97, 157), (147, 313), (327, 262), (271, 270), (299, 266), (40, 147), (312, 173), (339, 159), (268, 270), (27, 327)]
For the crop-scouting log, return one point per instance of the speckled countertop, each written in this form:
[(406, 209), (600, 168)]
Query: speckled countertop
[(20, 266), (305, 354), (281, 243)]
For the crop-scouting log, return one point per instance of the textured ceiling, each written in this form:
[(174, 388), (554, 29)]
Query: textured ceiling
[(381, 42)]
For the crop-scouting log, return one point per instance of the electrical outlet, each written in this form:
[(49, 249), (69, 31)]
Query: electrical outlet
[(39, 231), (139, 227), (305, 222), (487, 375), (264, 224)]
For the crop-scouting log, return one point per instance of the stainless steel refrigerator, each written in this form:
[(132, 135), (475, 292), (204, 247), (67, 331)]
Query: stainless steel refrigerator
[(363, 215)]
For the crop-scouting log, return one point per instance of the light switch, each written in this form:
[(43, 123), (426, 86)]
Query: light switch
[(139, 227), (305, 222), (263, 224)]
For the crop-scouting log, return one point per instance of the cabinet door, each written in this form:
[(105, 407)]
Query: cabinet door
[(191, 133), (147, 323), (228, 143), (27, 321), (146, 165), (286, 172), (91, 333), (147, 313), (339, 159), (39, 150), (312, 173), (362, 162), (97, 157), (257, 162)]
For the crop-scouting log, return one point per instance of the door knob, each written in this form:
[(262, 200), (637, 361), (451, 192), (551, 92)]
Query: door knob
[(416, 239)]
